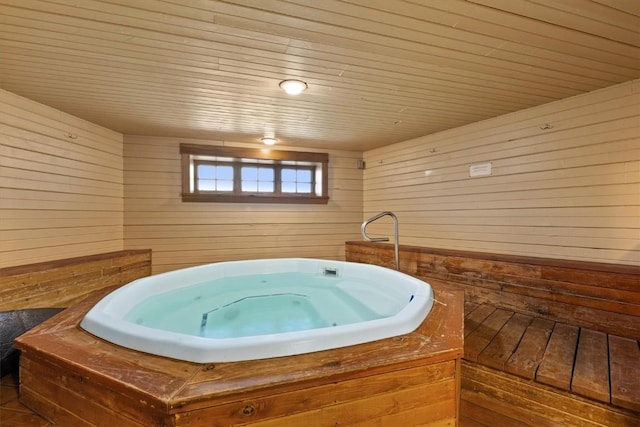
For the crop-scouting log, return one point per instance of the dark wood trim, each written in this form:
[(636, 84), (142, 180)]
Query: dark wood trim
[(185, 175), (315, 160)]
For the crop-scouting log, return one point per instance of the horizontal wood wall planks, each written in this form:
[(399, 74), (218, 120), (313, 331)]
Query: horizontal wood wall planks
[(187, 234), (599, 296), (61, 190), (415, 390), (65, 282), (570, 192)]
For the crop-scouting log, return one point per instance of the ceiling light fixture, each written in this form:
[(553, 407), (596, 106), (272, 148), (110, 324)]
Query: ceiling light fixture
[(293, 87), (268, 141)]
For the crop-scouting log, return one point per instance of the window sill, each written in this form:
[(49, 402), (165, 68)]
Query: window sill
[(254, 198)]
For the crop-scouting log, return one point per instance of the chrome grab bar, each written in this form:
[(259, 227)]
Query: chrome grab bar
[(383, 239)]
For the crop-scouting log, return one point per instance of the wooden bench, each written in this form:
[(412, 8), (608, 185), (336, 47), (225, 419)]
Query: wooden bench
[(604, 368), (547, 342)]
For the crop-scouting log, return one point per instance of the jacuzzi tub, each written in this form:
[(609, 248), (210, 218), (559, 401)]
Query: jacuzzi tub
[(245, 310)]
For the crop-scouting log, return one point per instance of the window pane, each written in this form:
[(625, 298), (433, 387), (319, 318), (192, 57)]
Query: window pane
[(206, 185), (265, 187), (304, 176), (250, 186), (296, 180), (265, 174), (304, 187), (288, 175), (224, 185), (288, 187), (225, 172), (206, 172), (249, 173), (258, 179)]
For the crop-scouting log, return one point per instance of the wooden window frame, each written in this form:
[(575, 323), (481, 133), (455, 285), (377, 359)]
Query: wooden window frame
[(318, 162)]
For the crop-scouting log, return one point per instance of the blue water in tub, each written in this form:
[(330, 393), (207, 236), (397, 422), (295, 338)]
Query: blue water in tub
[(263, 304)]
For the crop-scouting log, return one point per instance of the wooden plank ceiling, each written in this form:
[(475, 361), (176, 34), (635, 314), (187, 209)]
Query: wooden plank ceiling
[(379, 71)]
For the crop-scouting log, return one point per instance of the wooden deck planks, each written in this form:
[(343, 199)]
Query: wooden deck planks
[(624, 355), (556, 368), (601, 367), (477, 340), (527, 357), (591, 371), (500, 349), (476, 317)]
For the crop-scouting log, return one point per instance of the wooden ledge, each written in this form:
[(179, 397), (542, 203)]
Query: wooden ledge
[(49, 265), (517, 259), (64, 282)]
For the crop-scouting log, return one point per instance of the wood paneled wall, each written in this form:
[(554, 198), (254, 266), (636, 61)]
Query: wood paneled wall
[(565, 182), (65, 282), (599, 296), (184, 234), (61, 184)]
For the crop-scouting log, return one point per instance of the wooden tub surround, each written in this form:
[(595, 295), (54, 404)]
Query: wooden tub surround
[(75, 379), (547, 342)]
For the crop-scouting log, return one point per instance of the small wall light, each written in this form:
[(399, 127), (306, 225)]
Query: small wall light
[(293, 87), (268, 141)]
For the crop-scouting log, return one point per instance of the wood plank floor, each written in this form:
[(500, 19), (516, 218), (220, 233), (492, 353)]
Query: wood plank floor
[(589, 363)]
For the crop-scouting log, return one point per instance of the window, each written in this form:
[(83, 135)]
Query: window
[(227, 174), (213, 177)]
